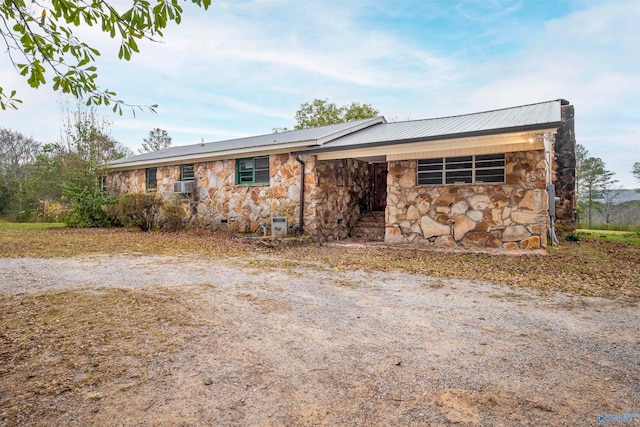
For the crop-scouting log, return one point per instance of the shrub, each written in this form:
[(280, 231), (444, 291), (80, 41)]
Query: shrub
[(52, 211), (138, 209), (88, 207), (573, 237), (172, 216)]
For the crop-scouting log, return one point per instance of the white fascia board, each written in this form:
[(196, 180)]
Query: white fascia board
[(207, 157), (457, 146), (336, 135)]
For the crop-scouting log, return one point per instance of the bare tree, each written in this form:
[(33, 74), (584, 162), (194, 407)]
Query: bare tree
[(608, 205), (87, 133)]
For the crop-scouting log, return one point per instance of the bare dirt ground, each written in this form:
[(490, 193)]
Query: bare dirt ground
[(108, 340)]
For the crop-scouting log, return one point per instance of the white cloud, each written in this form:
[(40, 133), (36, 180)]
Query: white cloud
[(358, 56), (244, 67), (177, 129), (592, 58), (487, 10)]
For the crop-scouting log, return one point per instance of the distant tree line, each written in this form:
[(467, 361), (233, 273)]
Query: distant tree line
[(61, 181), (598, 194), (41, 181)]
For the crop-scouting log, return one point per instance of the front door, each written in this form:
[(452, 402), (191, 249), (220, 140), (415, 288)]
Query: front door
[(379, 187)]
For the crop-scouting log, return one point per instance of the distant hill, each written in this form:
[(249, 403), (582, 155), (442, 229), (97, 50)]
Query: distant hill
[(622, 213), (627, 196)]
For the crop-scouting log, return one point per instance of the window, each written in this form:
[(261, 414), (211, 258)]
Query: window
[(150, 179), (490, 168), (186, 173), (462, 169), (252, 170), (430, 171), (103, 183)]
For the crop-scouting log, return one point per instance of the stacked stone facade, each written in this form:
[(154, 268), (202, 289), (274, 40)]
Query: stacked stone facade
[(338, 196), (218, 202), (510, 215), (565, 172), (335, 194), (132, 181)]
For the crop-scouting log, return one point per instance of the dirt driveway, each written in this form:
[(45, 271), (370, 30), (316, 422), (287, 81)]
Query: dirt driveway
[(321, 346)]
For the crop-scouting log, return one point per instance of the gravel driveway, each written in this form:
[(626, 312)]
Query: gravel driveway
[(319, 346)]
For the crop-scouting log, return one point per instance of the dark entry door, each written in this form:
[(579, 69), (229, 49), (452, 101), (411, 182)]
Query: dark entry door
[(379, 187)]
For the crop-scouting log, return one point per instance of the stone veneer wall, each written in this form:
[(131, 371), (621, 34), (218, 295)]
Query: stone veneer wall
[(217, 201), (218, 198), (335, 193), (511, 215), (165, 178), (339, 196), (565, 172), (132, 181)]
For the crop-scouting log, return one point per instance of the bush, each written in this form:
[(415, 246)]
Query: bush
[(573, 237), (52, 211), (172, 216), (138, 209), (88, 207)]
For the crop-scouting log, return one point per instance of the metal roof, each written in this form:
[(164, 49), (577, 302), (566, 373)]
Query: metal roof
[(363, 133), (522, 118), (305, 137)]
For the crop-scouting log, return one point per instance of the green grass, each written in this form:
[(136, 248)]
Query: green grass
[(29, 225), (611, 236)]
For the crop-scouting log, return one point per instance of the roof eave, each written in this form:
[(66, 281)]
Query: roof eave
[(213, 155), (500, 131), (209, 156)]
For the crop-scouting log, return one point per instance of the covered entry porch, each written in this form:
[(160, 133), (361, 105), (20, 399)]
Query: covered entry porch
[(350, 197), (445, 192)]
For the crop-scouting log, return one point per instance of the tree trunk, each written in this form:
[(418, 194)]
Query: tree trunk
[(590, 205)]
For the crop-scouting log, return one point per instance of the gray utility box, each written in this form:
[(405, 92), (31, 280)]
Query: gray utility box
[(279, 226)]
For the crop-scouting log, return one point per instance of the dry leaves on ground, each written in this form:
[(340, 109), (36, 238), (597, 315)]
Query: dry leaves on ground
[(58, 348), (591, 267)]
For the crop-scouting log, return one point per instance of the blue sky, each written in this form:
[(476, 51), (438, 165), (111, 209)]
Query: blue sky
[(244, 67)]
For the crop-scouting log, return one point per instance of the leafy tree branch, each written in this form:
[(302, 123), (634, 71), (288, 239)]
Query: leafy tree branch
[(43, 36), (321, 112)]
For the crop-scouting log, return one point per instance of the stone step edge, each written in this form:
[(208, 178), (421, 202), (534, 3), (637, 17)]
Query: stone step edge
[(374, 229)]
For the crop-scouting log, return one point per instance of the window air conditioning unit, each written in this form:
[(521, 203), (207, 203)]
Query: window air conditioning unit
[(183, 187)]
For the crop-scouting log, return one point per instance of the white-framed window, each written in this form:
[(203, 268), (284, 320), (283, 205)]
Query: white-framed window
[(482, 168)]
